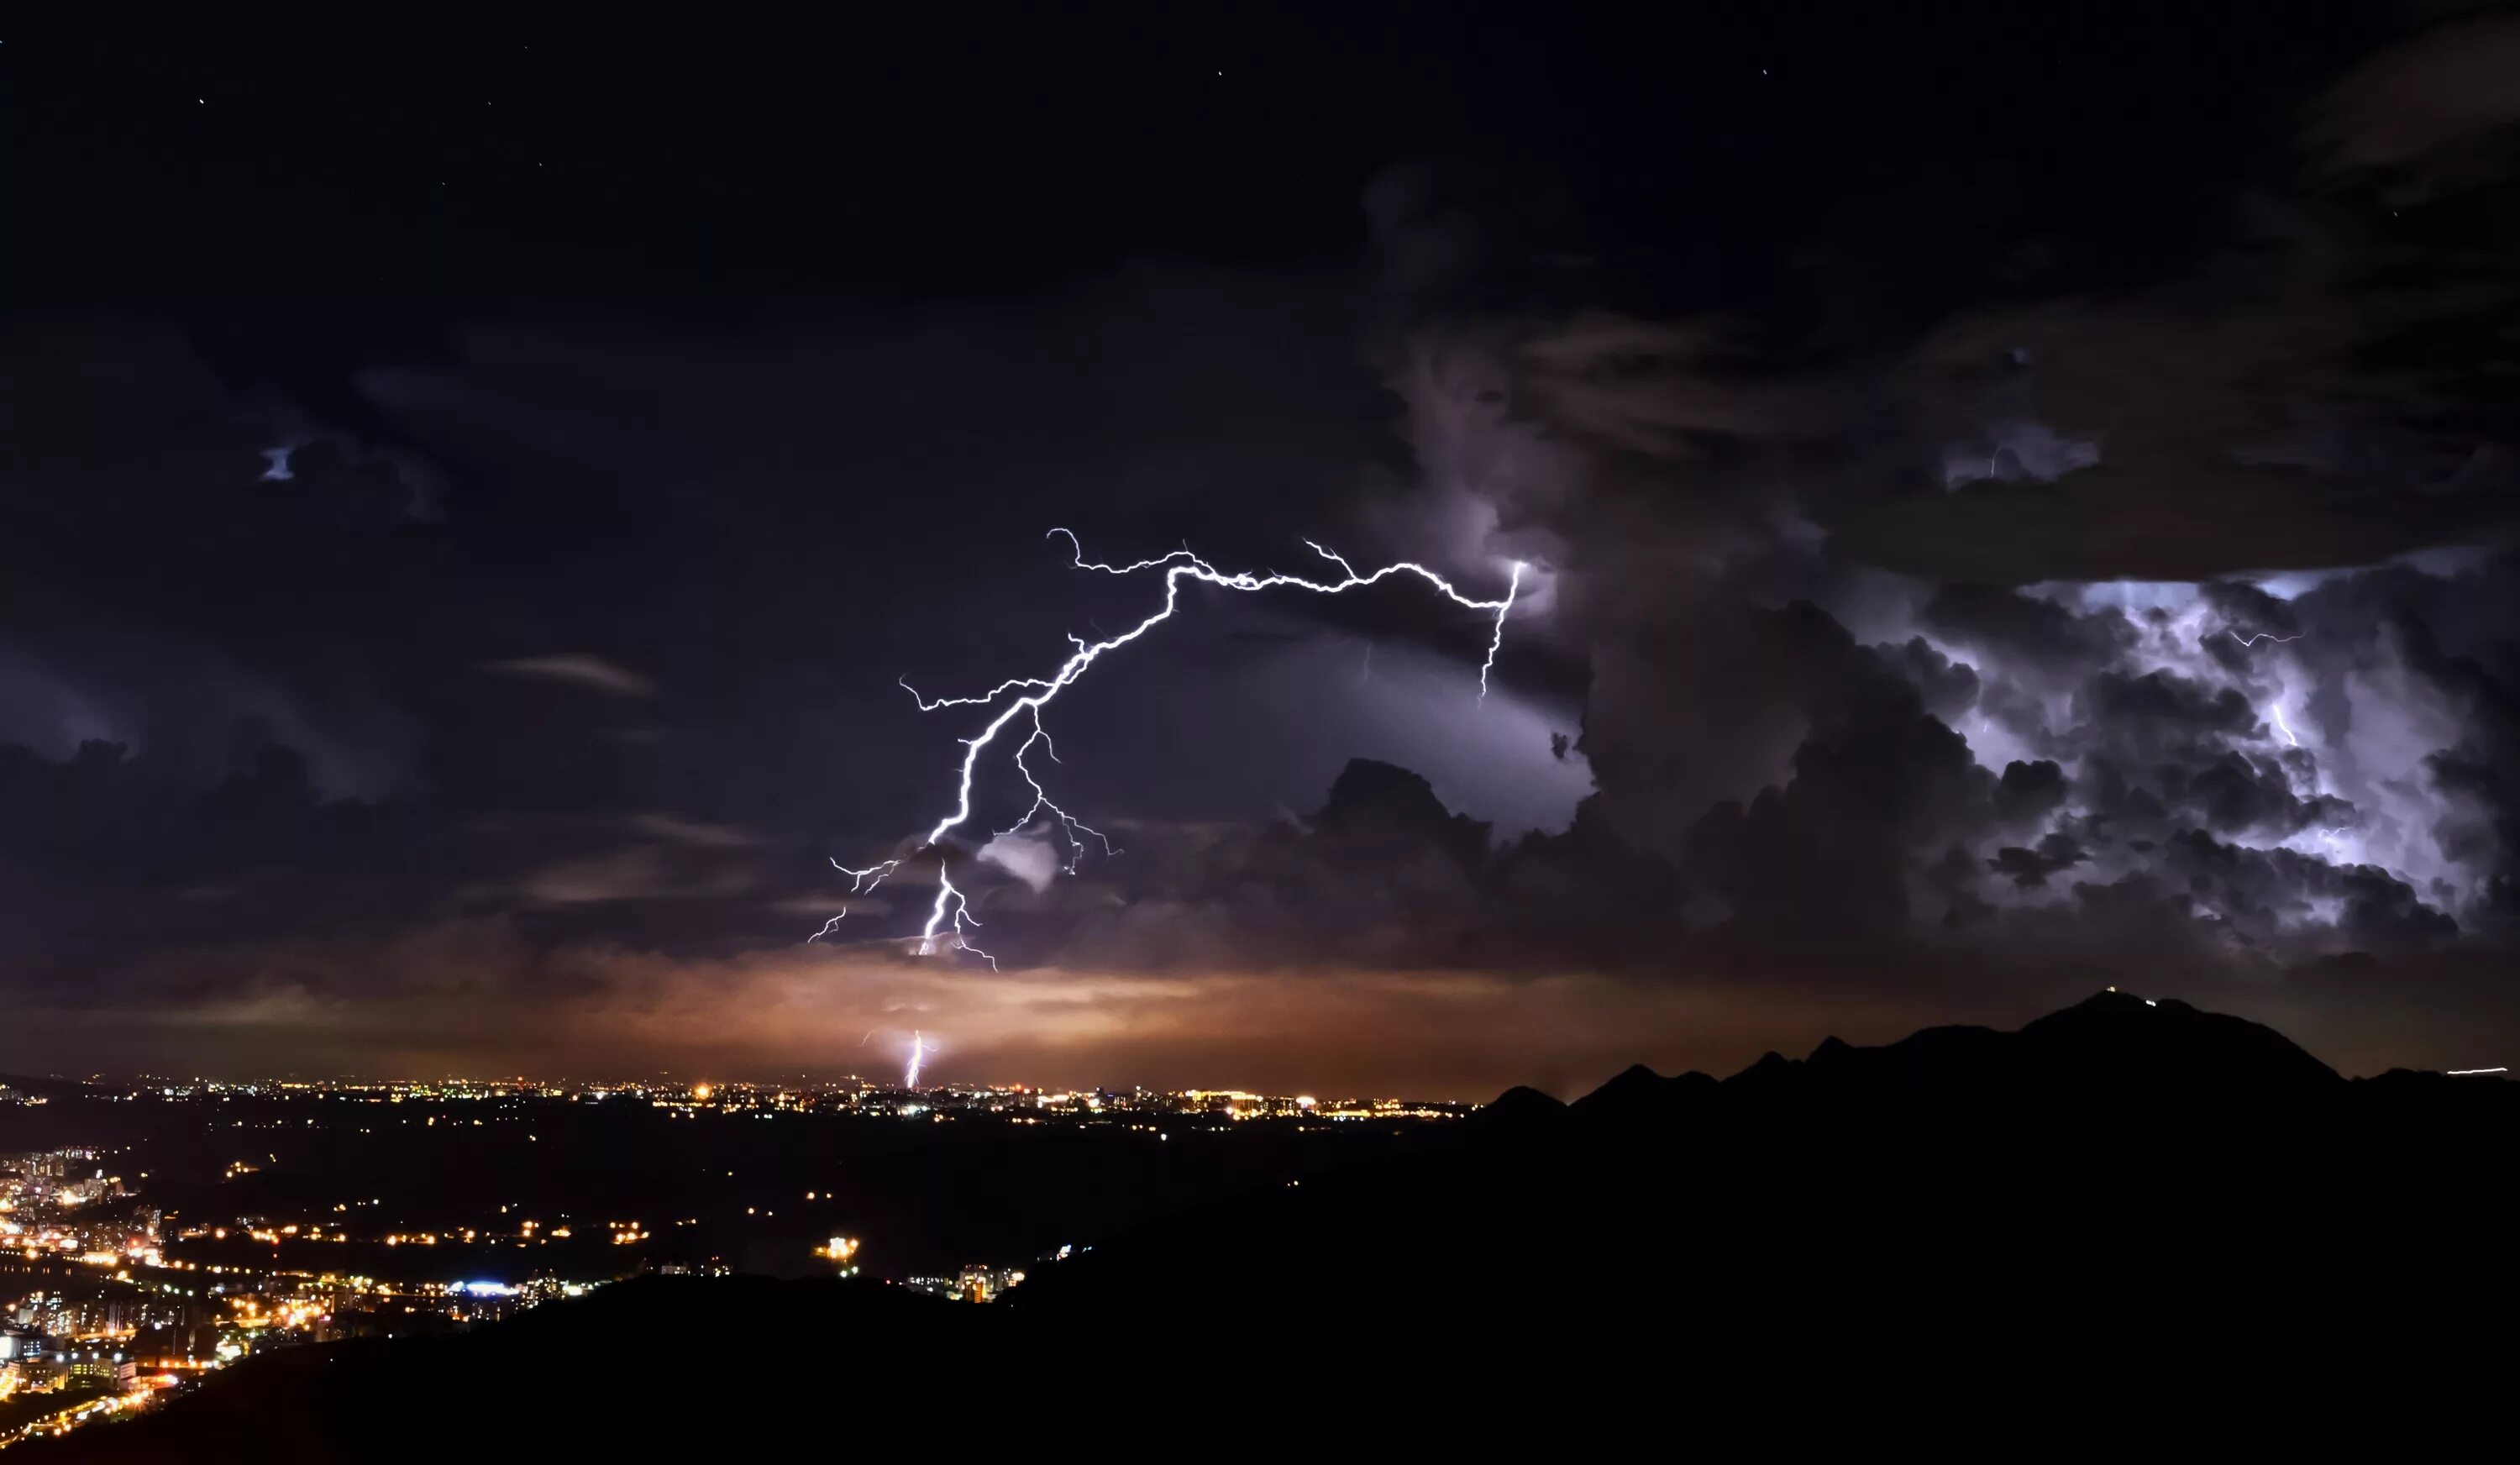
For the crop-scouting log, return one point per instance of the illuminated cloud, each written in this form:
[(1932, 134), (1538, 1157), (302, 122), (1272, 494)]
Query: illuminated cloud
[(576, 669), (1028, 858)]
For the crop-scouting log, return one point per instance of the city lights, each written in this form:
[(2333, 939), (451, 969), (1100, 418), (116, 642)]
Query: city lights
[(253, 1262)]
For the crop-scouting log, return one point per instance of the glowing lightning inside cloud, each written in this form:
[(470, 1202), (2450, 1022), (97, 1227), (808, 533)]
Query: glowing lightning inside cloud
[(2276, 708), (1023, 697)]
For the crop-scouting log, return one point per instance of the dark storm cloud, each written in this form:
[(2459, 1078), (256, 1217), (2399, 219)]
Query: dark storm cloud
[(2276, 395), (2025, 634), (2096, 717), (107, 856), (1946, 686), (1867, 838), (1825, 854), (1906, 559), (631, 675), (1380, 874), (2227, 435), (2318, 389), (2241, 795), (2028, 867), (2256, 890), (2307, 388), (2436, 102), (2179, 824), (2161, 707), (156, 580)]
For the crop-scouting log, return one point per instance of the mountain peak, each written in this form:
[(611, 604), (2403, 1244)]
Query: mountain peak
[(2119, 1033), (1635, 1086), (1521, 1103), (1773, 1067)]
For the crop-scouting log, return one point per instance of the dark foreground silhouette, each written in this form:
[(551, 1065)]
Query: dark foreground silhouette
[(2128, 1231)]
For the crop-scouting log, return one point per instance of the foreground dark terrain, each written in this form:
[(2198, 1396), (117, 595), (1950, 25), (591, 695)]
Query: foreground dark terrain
[(2126, 1231)]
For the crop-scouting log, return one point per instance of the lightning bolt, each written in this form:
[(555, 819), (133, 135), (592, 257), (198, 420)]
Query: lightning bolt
[(1041, 799), (1022, 699), (861, 882), (954, 907), (1182, 565), (2281, 726), (864, 882), (918, 1055)]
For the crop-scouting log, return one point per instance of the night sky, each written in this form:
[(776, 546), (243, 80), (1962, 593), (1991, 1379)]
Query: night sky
[(2014, 499)]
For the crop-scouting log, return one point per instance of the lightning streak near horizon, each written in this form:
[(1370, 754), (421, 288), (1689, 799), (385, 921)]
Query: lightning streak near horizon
[(918, 1057), (1023, 697)]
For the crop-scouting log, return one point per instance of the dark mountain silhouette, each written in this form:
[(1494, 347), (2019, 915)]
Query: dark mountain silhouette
[(1522, 1105), (2111, 1042), (2114, 1038), (1638, 1096), (2128, 1230)]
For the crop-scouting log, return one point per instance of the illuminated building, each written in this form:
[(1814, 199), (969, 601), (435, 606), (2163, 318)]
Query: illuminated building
[(95, 1365), (38, 1373), (979, 1282)]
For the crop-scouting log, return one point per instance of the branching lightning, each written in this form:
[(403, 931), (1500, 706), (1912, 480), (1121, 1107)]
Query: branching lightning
[(1041, 799), (864, 882), (954, 907), (861, 882), (1023, 697)]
